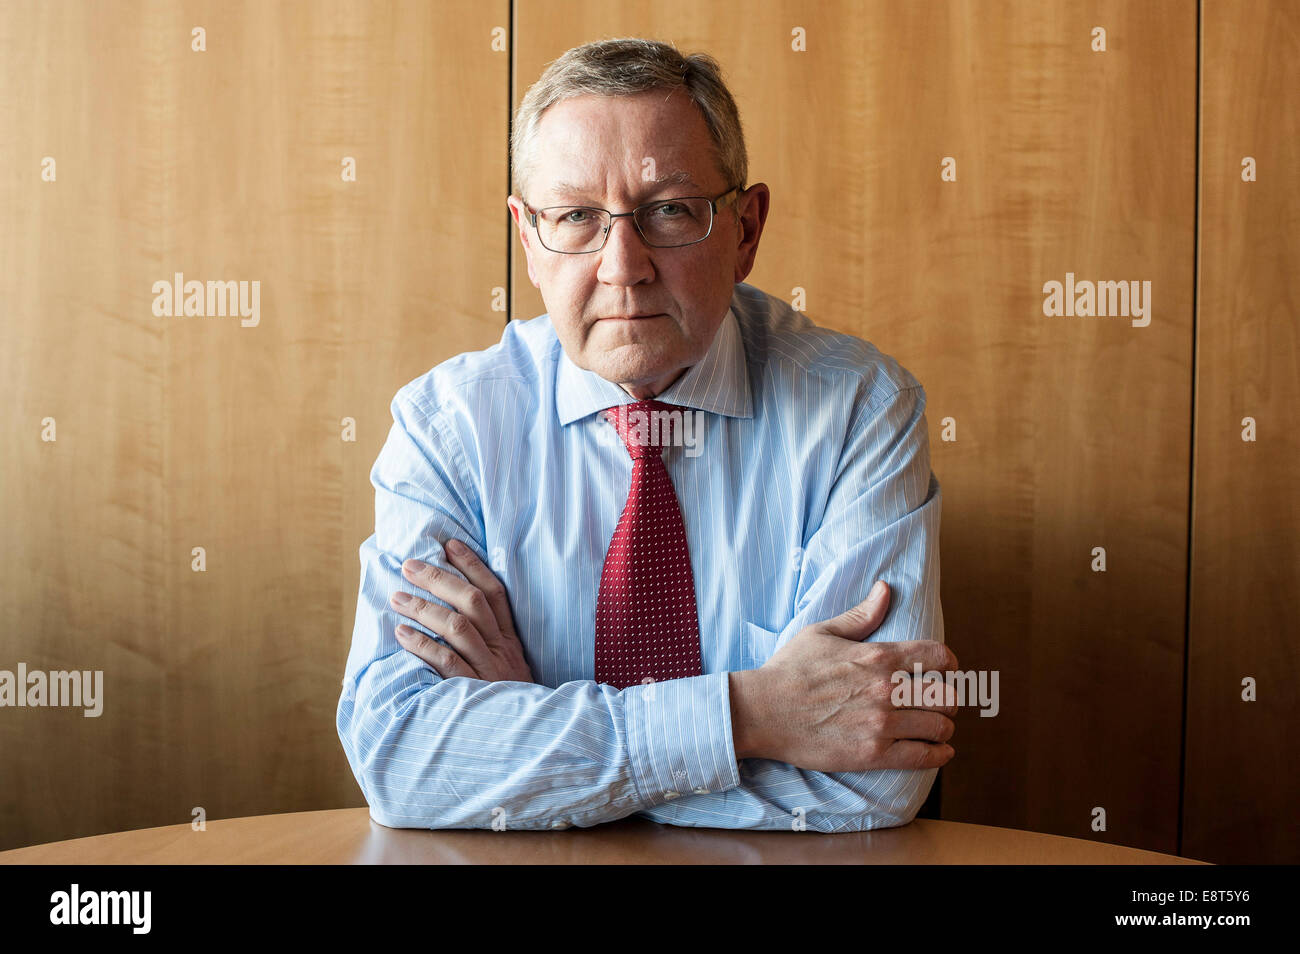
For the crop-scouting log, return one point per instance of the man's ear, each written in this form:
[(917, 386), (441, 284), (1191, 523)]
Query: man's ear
[(751, 219), (517, 213)]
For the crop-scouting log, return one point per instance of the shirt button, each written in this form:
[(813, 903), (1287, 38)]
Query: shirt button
[(701, 791), (559, 823), (670, 795)]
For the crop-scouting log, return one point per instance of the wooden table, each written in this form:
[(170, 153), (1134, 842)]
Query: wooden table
[(350, 836)]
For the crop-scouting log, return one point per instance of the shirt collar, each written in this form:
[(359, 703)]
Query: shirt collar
[(719, 382)]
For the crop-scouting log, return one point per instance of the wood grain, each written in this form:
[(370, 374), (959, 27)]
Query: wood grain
[(1242, 783), (174, 433), (349, 836)]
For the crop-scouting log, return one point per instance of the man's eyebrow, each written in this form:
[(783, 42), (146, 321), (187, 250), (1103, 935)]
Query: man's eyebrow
[(651, 186)]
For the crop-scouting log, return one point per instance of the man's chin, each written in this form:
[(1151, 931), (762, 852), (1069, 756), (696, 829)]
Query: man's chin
[(628, 360)]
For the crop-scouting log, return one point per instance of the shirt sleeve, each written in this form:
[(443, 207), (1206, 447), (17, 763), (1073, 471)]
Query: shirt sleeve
[(881, 521), (430, 752)]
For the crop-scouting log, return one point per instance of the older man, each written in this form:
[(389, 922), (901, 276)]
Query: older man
[(675, 493)]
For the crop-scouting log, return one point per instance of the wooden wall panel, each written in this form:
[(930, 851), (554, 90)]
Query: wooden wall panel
[(1072, 433), (219, 687), (1242, 783)]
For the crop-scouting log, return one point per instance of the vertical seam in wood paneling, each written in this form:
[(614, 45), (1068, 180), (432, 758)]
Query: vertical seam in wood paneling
[(510, 128), (1191, 456)]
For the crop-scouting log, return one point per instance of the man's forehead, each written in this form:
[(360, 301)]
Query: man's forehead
[(635, 145), (575, 187)]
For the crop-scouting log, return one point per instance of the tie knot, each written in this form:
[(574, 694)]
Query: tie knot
[(645, 425)]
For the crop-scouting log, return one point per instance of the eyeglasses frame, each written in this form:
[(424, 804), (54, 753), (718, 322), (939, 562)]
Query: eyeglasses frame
[(716, 204)]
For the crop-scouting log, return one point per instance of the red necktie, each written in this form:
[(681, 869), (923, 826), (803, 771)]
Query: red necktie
[(646, 623)]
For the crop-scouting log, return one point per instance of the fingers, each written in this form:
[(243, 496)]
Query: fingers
[(932, 655), (859, 622), (466, 598), (454, 627), (442, 658), (921, 725), (862, 620), (484, 580), (909, 754), (933, 694)]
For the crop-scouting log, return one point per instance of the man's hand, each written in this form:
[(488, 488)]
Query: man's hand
[(824, 701), (483, 644)]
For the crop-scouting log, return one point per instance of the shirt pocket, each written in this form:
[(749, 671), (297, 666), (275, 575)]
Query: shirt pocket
[(759, 644)]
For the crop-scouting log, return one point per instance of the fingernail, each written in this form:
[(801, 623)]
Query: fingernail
[(401, 599), (454, 546), (415, 566), (877, 591)]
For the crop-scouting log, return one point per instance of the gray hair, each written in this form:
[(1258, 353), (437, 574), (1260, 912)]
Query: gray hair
[(621, 67)]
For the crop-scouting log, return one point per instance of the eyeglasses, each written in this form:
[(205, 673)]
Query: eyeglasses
[(663, 223)]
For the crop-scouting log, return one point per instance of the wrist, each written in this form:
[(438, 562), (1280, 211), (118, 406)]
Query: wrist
[(749, 720)]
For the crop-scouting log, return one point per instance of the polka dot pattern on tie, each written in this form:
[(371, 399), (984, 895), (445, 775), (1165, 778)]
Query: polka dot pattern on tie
[(646, 621)]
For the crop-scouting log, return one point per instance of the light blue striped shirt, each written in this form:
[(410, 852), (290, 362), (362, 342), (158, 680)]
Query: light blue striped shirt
[(810, 480)]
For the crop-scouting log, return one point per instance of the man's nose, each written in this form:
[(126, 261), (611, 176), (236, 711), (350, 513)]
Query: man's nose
[(626, 255)]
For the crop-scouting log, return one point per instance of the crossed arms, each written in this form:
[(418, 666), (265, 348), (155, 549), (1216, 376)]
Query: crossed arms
[(458, 736)]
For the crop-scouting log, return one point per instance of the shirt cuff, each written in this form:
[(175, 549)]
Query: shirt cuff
[(679, 737)]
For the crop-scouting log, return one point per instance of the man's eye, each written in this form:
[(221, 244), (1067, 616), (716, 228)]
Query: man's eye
[(574, 217), (672, 207)]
